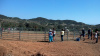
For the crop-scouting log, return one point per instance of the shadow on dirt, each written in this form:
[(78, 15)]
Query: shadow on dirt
[(38, 54), (90, 42), (42, 41), (3, 51), (11, 39)]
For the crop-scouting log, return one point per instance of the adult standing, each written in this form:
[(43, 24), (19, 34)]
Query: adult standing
[(96, 36), (89, 33), (62, 34), (83, 34), (54, 32)]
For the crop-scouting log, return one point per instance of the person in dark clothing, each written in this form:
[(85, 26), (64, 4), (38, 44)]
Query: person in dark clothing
[(89, 33), (83, 34)]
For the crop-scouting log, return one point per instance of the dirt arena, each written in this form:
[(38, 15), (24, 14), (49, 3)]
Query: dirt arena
[(65, 48)]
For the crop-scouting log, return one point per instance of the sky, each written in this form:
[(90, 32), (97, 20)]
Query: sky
[(86, 11)]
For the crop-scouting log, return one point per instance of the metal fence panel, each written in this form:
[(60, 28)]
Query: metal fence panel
[(36, 35)]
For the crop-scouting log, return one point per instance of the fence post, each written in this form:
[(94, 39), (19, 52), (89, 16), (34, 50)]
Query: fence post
[(45, 36), (13, 32), (1, 32), (67, 34), (19, 34), (36, 34), (74, 34)]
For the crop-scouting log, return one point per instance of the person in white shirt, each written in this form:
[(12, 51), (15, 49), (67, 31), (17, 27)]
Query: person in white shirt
[(96, 36)]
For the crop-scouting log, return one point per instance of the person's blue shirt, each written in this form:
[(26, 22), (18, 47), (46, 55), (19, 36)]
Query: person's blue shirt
[(50, 33)]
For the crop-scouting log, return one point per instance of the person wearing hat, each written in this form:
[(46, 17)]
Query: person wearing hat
[(50, 36)]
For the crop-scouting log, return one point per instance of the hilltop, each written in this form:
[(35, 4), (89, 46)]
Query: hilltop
[(41, 23)]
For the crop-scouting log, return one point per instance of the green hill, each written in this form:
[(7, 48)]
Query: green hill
[(42, 23)]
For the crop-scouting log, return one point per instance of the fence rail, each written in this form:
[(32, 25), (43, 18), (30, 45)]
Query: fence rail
[(35, 35)]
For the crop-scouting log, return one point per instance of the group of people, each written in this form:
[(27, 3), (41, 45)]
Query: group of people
[(90, 35), (52, 35)]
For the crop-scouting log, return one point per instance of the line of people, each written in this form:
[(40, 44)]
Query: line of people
[(90, 35)]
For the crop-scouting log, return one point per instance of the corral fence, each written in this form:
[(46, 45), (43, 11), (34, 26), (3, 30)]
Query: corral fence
[(35, 34)]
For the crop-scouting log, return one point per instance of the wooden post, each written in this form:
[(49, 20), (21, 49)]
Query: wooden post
[(67, 34), (45, 36)]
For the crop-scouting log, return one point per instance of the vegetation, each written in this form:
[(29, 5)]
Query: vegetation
[(41, 23)]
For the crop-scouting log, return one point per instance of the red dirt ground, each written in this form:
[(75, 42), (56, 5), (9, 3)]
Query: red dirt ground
[(65, 48)]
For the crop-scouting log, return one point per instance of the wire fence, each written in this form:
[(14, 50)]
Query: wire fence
[(35, 34)]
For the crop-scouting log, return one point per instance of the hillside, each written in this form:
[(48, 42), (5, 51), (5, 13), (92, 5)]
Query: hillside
[(41, 23)]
